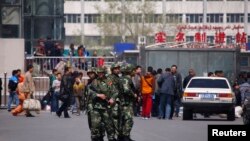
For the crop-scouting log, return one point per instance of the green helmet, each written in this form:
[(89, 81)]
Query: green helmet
[(115, 65), (126, 68), (101, 69), (93, 69)]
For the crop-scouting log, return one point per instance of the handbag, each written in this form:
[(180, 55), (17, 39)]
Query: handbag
[(63, 97), (32, 105)]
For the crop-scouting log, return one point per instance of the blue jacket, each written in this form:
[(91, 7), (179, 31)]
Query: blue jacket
[(166, 83)]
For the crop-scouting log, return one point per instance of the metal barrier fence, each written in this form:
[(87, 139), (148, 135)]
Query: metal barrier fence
[(44, 65), (41, 88)]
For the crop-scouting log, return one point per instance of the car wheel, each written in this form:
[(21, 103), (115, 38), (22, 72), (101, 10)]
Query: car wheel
[(246, 118), (187, 114), (231, 115)]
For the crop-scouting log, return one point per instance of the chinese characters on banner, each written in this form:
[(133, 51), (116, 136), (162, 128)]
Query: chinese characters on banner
[(220, 37), (241, 38), (198, 37), (160, 37), (179, 37)]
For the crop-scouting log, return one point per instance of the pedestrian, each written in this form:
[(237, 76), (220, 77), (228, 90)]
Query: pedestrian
[(94, 60), (191, 73), (103, 95), (66, 89), (167, 85), (136, 78), (78, 90), (56, 92), (29, 86), (21, 96), (156, 97), (210, 74), (178, 92), (12, 86), (147, 90), (127, 97)]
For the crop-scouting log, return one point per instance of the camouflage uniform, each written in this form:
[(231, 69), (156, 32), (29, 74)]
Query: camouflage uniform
[(100, 108), (116, 112), (127, 97)]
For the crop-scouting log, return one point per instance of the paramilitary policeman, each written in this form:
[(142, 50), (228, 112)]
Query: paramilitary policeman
[(103, 95), (126, 99)]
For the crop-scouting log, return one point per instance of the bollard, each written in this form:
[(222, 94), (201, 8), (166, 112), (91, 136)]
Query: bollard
[(5, 88)]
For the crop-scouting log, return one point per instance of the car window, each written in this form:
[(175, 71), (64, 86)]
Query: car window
[(208, 83)]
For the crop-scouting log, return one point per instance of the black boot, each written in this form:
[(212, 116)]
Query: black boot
[(101, 138), (126, 138), (95, 139), (120, 138)]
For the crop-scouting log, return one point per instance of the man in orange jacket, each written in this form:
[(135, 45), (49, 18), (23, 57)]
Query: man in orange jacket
[(147, 90)]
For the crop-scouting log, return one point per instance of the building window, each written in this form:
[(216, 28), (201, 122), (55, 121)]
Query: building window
[(189, 38), (235, 18), (92, 40), (229, 39), (111, 40), (91, 18), (210, 39), (133, 18), (153, 18), (112, 18), (72, 18), (174, 18), (72, 39), (248, 17), (214, 18), (194, 18)]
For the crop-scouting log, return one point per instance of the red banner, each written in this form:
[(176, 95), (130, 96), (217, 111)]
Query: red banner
[(160, 37)]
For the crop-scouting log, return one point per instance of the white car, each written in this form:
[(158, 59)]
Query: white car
[(208, 95)]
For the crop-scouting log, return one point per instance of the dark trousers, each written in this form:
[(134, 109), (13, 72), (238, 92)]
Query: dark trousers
[(156, 103), (136, 108), (175, 106), (64, 107)]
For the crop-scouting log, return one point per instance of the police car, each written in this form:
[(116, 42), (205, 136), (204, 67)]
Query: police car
[(208, 95)]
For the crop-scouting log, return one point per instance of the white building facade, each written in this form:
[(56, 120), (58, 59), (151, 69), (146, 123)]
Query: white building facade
[(81, 19)]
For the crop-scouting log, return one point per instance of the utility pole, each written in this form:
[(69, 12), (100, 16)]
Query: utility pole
[(82, 21), (164, 14), (123, 21), (246, 16)]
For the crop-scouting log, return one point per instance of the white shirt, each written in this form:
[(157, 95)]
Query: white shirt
[(56, 85)]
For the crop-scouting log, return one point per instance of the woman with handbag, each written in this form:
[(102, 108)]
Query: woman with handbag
[(28, 87), (66, 90)]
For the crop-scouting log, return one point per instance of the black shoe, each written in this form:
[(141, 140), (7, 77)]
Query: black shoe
[(67, 117), (101, 139), (9, 110), (95, 139), (126, 138), (120, 138), (29, 115), (58, 114)]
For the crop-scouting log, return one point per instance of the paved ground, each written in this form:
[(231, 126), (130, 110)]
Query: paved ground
[(47, 127)]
